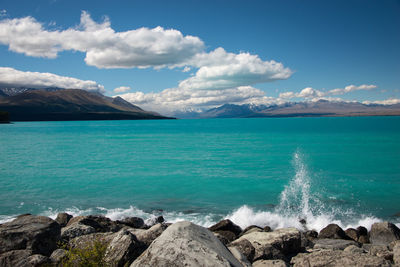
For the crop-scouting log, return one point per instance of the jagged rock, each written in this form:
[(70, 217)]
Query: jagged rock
[(75, 230), (134, 222), (273, 245), (245, 247), (240, 257), (396, 253), (85, 240), (186, 244), (362, 235), (226, 225), (123, 249), (354, 249), (333, 244), (15, 258), (38, 260), (63, 219), (337, 258), (98, 222), (381, 251), (332, 231), (352, 233), (251, 228), (269, 263), (37, 233), (58, 255), (148, 236), (225, 236), (383, 233)]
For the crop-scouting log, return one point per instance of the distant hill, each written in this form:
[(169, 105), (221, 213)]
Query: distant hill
[(321, 108), (69, 104)]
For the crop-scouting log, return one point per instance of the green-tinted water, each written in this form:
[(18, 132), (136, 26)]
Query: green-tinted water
[(319, 168)]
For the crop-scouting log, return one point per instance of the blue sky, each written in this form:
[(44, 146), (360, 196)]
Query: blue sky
[(322, 45)]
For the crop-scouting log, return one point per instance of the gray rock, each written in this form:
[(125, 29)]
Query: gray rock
[(273, 245), (381, 251), (383, 233), (396, 253), (86, 240), (354, 249), (148, 236), (15, 258), (270, 263), (63, 219), (333, 244), (134, 222), (75, 230), (362, 235), (251, 228), (240, 257), (245, 247), (58, 255), (337, 258), (226, 225), (186, 244), (123, 249), (225, 236), (153, 221), (38, 260), (332, 231), (37, 233), (267, 229), (98, 222), (352, 233)]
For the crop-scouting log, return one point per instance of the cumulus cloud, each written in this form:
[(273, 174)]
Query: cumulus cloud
[(104, 48), (16, 78), (122, 89), (3, 13), (177, 99), (221, 70), (311, 93)]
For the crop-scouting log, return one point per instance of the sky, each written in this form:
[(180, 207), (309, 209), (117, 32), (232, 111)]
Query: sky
[(171, 56)]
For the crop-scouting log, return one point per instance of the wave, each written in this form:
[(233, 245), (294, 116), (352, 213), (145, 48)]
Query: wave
[(296, 204)]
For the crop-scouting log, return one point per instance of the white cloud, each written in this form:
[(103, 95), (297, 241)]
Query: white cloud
[(3, 13), (104, 48), (177, 99), (390, 101), (122, 89), (351, 88), (221, 70), (16, 78)]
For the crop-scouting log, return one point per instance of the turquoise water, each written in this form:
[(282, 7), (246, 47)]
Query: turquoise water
[(254, 171)]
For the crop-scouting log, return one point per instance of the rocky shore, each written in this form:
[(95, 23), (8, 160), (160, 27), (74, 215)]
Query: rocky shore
[(96, 240)]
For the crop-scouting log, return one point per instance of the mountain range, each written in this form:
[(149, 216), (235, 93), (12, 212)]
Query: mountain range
[(54, 104), (321, 108)]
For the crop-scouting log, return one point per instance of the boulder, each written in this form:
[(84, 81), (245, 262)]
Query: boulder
[(396, 253), (267, 229), (270, 263), (15, 258), (75, 230), (362, 235), (337, 258), (98, 222), (251, 228), (148, 236), (57, 256), (354, 249), (123, 249), (240, 257), (85, 240), (38, 260), (245, 247), (186, 244), (225, 236), (352, 233), (381, 251), (383, 233), (333, 244), (153, 221), (226, 225), (63, 219), (134, 222), (37, 233), (273, 245), (332, 231), (308, 237)]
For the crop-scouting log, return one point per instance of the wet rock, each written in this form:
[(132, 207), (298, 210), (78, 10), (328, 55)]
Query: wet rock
[(98, 222), (186, 244), (273, 245), (134, 222), (240, 257), (250, 229), (270, 263), (75, 230), (333, 244), (225, 237), (226, 225), (63, 219), (332, 231), (352, 233), (123, 249), (153, 221), (37, 233), (383, 233), (58, 255), (337, 258), (245, 247), (267, 229), (362, 235), (149, 235)]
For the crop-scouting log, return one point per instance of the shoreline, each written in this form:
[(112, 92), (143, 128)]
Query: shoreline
[(31, 240)]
